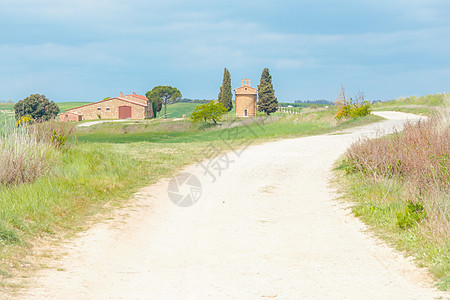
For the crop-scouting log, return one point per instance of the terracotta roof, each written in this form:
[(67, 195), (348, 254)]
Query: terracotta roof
[(122, 99)]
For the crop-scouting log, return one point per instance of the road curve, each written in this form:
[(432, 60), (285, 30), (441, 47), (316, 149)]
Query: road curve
[(268, 227)]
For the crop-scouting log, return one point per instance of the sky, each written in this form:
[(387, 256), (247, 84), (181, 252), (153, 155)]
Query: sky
[(80, 50)]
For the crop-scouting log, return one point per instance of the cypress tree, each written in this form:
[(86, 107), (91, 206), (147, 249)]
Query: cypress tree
[(267, 102), (225, 95)]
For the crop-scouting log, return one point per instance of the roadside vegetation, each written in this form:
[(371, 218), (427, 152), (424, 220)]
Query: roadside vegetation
[(400, 185), (424, 105)]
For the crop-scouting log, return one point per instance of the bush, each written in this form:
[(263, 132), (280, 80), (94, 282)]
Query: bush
[(353, 109), (210, 111), (413, 214), (38, 107)]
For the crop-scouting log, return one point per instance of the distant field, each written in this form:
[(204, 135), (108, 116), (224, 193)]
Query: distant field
[(6, 106), (63, 106), (425, 105), (186, 132), (6, 112), (177, 110)]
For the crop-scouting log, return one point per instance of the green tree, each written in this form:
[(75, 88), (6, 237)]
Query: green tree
[(163, 95), (37, 106), (267, 102), (210, 111), (225, 95)]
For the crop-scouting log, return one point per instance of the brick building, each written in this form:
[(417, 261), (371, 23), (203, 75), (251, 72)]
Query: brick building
[(123, 107), (245, 100)]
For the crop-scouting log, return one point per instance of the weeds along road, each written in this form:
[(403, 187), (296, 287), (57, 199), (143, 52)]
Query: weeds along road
[(268, 227)]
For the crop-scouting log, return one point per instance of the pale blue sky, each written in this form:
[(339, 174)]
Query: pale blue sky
[(87, 50)]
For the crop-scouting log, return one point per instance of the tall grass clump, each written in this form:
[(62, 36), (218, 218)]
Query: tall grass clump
[(29, 151), (22, 156), (402, 184)]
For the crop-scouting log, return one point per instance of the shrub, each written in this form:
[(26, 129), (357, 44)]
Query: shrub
[(38, 107), (209, 111), (413, 214), (350, 109)]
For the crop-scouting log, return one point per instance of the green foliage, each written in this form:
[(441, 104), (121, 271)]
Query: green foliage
[(163, 95), (350, 109), (37, 106), (267, 102), (225, 96), (210, 111), (413, 214), (58, 139)]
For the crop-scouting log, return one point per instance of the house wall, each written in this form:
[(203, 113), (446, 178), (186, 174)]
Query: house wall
[(67, 117), (91, 111), (243, 102)]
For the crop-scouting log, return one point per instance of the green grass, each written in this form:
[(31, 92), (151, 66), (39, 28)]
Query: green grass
[(425, 105), (63, 106), (6, 113), (184, 132), (377, 204), (177, 110), (7, 106), (84, 179)]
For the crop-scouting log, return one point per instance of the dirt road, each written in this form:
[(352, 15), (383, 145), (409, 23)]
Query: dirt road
[(268, 227)]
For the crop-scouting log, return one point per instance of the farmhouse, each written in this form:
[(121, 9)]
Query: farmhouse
[(131, 106), (245, 100)]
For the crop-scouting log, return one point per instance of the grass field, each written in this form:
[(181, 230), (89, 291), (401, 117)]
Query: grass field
[(185, 132), (425, 105), (63, 106), (6, 113), (177, 110)]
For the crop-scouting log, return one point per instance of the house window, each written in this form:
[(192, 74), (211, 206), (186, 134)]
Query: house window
[(99, 108), (108, 108)]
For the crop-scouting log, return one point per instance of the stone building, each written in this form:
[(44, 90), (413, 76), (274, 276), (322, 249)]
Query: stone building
[(245, 100), (123, 107)]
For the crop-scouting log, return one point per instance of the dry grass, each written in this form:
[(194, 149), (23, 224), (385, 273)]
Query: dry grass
[(419, 157), (27, 152), (399, 185)]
